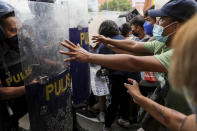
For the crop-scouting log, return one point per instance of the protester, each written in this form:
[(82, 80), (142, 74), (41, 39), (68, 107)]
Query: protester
[(138, 32), (150, 19), (116, 78), (185, 46), (149, 24), (125, 30), (137, 26)]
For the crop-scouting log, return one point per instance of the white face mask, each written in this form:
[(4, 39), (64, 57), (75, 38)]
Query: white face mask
[(189, 97)]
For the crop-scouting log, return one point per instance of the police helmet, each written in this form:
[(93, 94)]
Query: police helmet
[(5, 9)]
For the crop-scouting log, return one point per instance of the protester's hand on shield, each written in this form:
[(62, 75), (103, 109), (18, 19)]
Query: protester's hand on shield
[(76, 52), (133, 90), (100, 39)]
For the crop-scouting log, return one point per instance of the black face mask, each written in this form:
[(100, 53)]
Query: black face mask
[(13, 43)]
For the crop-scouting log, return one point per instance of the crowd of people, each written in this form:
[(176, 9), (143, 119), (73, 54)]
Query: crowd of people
[(151, 56), (139, 62)]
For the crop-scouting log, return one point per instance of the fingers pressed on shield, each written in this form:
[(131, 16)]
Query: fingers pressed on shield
[(69, 59), (70, 43), (78, 45), (96, 42), (67, 46), (94, 37), (67, 53)]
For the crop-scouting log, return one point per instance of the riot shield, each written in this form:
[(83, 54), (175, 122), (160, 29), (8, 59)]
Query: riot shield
[(47, 78), (78, 33)]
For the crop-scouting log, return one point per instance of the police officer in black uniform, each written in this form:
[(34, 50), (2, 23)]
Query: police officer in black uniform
[(12, 90)]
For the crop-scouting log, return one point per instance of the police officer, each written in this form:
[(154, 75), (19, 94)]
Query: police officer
[(12, 93)]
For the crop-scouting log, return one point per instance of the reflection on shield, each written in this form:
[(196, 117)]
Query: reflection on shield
[(47, 77)]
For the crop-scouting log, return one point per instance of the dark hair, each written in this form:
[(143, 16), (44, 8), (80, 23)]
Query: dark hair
[(138, 21), (125, 29), (108, 28)]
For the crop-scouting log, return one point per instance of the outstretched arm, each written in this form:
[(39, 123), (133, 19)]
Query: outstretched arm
[(126, 62), (127, 45), (119, 61), (172, 119), (120, 51)]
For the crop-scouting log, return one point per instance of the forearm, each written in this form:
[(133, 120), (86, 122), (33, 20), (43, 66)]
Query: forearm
[(126, 62), (119, 51), (168, 117), (127, 45), (11, 92), (115, 61)]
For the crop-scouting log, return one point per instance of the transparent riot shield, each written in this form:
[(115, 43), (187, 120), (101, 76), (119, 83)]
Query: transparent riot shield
[(47, 78), (78, 34)]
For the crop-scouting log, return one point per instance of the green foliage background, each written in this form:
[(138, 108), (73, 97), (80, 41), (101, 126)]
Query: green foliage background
[(116, 5)]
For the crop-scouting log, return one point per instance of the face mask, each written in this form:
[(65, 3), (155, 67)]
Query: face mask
[(13, 42), (131, 35), (158, 31), (189, 97)]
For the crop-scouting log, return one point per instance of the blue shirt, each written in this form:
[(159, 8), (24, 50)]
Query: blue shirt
[(104, 50)]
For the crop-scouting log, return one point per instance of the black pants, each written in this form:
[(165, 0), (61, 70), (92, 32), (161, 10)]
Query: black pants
[(91, 100), (119, 97)]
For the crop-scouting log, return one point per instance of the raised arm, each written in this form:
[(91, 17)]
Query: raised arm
[(127, 45), (170, 118), (119, 61)]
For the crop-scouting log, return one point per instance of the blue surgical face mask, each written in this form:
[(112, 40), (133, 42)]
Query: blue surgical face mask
[(158, 31)]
